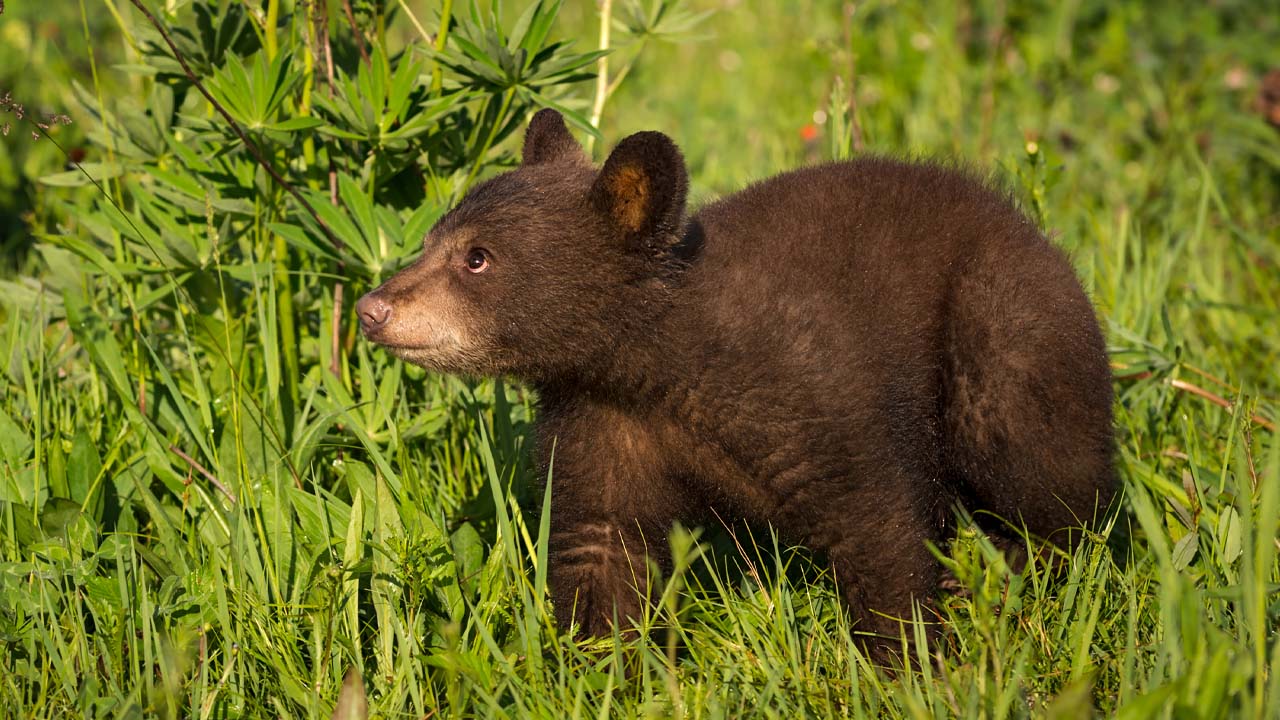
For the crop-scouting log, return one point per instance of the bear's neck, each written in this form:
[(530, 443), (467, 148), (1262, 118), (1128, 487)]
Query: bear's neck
[(635, 369)]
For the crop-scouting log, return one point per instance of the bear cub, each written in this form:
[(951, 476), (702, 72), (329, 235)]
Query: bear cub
[(846, 352)]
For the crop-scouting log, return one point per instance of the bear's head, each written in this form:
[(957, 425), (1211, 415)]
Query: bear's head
[(546, 271)]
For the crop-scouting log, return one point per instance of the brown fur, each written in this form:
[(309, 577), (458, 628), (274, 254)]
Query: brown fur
[(844, 352)]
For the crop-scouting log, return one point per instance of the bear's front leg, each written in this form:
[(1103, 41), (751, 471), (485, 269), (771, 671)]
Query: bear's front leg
[(613, 503)]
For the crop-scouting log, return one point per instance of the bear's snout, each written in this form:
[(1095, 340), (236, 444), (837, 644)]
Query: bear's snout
[(374, 312)]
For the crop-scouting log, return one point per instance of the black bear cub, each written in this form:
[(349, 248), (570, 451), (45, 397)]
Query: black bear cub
[(846, 352)]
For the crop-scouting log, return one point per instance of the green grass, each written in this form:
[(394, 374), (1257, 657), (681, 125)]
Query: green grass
[(197, 519)]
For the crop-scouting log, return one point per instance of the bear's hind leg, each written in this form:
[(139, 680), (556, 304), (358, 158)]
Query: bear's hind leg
[(1027, 411), (878, 547)]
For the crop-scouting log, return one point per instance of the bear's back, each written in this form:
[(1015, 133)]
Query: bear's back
[(850, 261), (840, 223)]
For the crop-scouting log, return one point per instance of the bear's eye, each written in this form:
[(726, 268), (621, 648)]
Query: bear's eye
[(477, 260)]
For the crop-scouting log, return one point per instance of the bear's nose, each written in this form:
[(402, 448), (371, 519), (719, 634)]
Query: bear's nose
[(373, 311)]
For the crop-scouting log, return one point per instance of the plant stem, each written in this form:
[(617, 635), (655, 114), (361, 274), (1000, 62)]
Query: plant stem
[(602, 70), (355, 32), (288, 331), (273, 17), (280, 252), (308, 83), (442, 35), (413, 20)]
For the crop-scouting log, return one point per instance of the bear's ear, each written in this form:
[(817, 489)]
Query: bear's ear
[(548, 140), (641, 189)]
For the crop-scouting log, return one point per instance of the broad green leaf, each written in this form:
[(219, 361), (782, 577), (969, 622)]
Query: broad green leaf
[(1185, 550), (57, 514), (15, 442), (83, 466)]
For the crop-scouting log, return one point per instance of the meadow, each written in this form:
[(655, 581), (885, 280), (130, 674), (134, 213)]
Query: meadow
[(216, 500)]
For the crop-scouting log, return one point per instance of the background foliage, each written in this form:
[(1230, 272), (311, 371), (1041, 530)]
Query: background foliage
[(214, 499)]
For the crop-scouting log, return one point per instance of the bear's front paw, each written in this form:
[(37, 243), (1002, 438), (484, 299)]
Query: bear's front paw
[(592, 600)]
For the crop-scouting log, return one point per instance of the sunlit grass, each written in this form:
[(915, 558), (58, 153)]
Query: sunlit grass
[(199, 519)]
